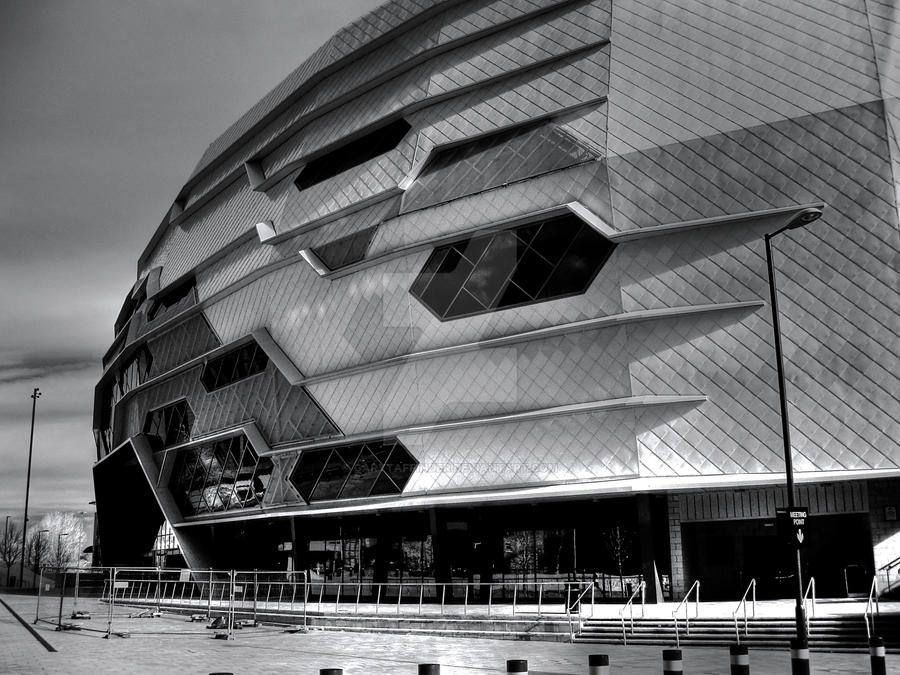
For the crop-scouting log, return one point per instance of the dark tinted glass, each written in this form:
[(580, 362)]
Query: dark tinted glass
[(535, 262), (358, 470), (219, 476), (352, 154), (236, 365)]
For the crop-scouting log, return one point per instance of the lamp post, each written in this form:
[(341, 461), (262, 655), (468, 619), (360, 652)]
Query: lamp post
[(35, 395), (804, 217)]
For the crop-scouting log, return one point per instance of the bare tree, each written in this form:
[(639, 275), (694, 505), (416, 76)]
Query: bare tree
[(618, 544), (65, 538), (10, 547)]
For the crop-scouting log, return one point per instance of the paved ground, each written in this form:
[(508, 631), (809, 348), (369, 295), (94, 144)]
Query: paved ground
[(173, 645)]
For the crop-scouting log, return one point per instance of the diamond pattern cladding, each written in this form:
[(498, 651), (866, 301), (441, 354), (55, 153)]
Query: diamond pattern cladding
[(685, 70), (493, 161), (585, 183), (574, 368), (183, 343), (457, 23), (324, 325), (593, 446), (282, 413), (479, 63), (234, 212)]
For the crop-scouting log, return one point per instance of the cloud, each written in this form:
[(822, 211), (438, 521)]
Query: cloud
[(33, 367)]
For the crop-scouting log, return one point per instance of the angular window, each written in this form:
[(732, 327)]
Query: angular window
[(135, 371), (532, 263), (178, 296), (236, 365), (380, 467), (169, 425), (353, 154), (491, 161), (346, 250), (220, 476)]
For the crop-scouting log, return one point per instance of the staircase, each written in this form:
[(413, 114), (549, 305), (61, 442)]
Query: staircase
[(837, 633)]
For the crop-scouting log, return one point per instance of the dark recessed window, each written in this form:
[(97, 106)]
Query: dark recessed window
[(352, 154), (346, 250), (169, 425), (136, 370), (532, 263), (180, 295), (381, 467), (236, 365), (219, 476)]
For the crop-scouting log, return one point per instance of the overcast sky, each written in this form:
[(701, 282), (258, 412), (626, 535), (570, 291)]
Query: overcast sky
[(105, 108)]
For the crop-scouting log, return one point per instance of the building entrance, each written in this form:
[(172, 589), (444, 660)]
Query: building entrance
[(726, 555)]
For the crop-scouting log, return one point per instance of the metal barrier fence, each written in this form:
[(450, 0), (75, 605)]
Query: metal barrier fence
[(124, 596)]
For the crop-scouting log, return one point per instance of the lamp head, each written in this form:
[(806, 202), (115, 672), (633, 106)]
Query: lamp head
[(803, 218)]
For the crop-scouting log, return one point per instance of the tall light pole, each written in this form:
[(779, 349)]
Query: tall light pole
[(804, 217), (35, 395)]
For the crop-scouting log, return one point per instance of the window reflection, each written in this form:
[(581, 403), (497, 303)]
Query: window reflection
[(532, 263), (220, 476)]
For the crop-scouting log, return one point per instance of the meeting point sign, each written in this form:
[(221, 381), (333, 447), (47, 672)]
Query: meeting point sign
[(792, 525)]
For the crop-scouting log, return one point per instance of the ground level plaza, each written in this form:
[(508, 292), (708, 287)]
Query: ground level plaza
[(356, 653)]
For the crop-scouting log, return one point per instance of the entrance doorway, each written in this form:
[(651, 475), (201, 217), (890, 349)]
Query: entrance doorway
[(726, 555)]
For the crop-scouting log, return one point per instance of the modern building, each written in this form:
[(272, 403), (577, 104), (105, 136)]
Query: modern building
[(480, 292)]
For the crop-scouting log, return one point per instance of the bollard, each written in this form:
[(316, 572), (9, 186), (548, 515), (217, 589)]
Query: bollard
[(740, 659), (517, 666), (331, 671), (876, 655), (598, 664), (429, 669), (799, 657), (672, 664)]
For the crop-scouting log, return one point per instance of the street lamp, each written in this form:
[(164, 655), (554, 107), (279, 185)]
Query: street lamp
[(804, 217), (35, 395)]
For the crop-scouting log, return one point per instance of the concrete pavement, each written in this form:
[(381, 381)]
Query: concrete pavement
[(173, 645)]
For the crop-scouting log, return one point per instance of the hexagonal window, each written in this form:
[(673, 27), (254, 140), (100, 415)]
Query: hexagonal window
[(169, 425), (531, 263), (378, 467), (221, 475)]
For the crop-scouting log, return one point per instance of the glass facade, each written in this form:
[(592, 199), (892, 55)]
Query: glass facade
[(169, 425), (221, 475), (380, 467), (531, 263), (236, 365)]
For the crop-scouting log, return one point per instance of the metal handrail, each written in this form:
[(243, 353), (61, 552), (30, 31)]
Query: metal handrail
[(577, 604), (887, 571), (873, 597), (687, 618), (811, 586), (630, 607), (743, 603)]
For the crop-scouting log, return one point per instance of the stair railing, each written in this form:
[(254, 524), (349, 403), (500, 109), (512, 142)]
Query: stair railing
[(577, 603), (873, 602), (887, 572), (751, 587), (630, 607), (687, 618), (811, 586)]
